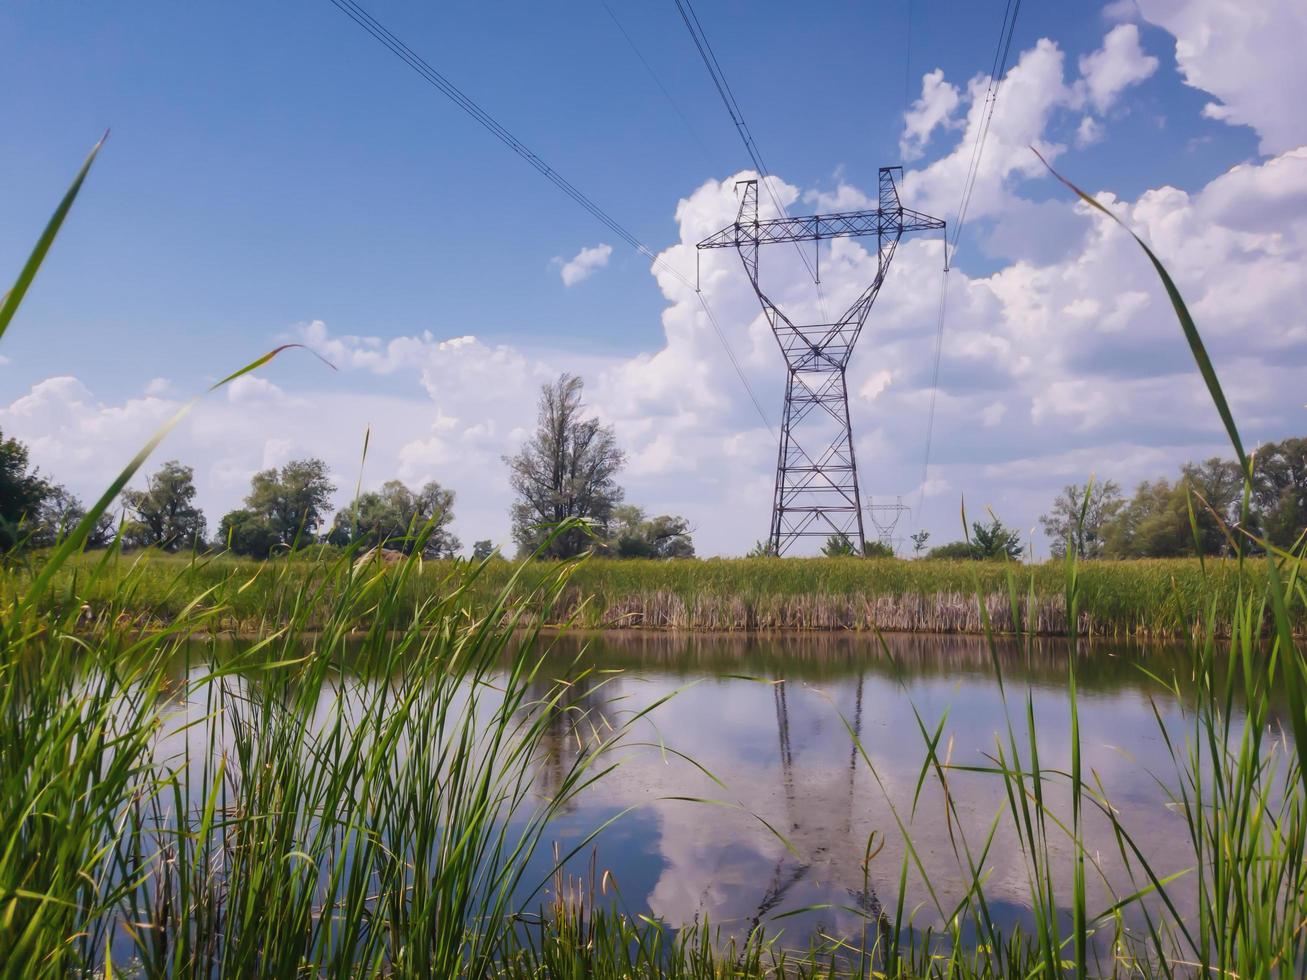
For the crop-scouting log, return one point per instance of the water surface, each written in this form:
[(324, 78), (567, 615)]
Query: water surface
[(774, 719), (808, 756)]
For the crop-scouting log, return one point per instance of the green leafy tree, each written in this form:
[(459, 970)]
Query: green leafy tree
[(991, 541), (1063, 524), (1217, 485), (164, 515), (1154, 523), (567, 469), (636, 536), (294, 500), (953, 551), (22, 492), (397, 518), (761, 549), (838, 546), (59, 513), (994, 540), (1280, 490), (841, 545), (247, 532), (481, 550)]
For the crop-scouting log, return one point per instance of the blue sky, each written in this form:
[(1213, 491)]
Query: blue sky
[(271, 165)]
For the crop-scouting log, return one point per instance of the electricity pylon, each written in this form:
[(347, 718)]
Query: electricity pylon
[(885, 518), (816, 472)]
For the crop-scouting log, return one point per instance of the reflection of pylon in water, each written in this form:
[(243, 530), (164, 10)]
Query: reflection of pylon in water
[(885, 519), (783, 879)]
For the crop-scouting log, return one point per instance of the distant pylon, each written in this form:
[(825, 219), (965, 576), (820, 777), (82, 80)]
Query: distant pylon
[(816, 473), (885, 519)]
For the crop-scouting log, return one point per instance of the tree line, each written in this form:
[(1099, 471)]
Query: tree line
[(1202, 511), (286, 509), (566, 470)]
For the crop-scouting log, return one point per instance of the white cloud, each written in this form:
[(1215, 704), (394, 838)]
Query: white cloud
[(933, 109), (1247, 54), (1031, 92), (584, 264), (1116, 66), (1089, 132)]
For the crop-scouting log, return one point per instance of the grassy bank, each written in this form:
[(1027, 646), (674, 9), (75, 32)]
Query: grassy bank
[(1158, 598)]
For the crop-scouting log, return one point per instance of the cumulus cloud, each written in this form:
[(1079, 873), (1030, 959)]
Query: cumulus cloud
[(933, 109), (1116, 66), (1089, 132), (584, 263), (1033, 90), (1249, 55)]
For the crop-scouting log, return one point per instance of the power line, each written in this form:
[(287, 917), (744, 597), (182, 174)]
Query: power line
[(714, 67), (907, 63), (429, 74), (934, 382), (997, 71), (654, 75)]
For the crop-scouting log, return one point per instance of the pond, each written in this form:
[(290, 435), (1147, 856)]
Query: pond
[(796, 803), (781, 781)]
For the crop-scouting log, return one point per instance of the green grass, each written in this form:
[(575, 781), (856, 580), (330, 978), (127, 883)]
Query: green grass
[(1156, 598)]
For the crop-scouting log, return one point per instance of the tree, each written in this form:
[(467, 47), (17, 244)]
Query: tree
[(1063, 523), (21, 492), (246, 532), (1280, 490), (635, 536), (989, 542), (953, 551), (761, 549), (59, 513), (293, 500), (994, 540), (1218, 488), (481, 550), (566, 470), (395, 517), (919, 540), (164, 515), (838, 546), (1154, 523)]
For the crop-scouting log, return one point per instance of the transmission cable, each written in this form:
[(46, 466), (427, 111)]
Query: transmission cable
[(714, 67), (654, 75), (429, 74), (997, 72)]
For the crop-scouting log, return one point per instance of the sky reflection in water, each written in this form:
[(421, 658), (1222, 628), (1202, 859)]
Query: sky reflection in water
[(780, 745)]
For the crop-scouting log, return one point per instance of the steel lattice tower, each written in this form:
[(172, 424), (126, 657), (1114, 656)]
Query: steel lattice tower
[(816, 472)]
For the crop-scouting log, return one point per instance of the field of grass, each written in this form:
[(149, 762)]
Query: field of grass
[(1143, 599)]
